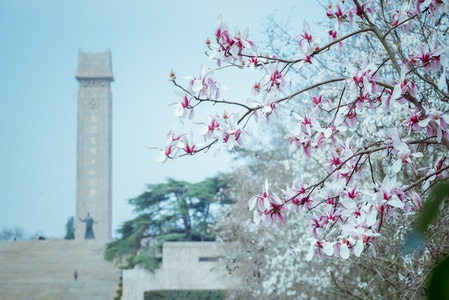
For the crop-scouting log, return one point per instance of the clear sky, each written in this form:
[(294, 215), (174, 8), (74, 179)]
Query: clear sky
[(39, 48)]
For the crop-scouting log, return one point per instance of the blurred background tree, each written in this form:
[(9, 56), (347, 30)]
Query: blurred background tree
[(169, 211)]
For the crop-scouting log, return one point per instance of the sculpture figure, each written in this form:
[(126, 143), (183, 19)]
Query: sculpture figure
[(89, 235)]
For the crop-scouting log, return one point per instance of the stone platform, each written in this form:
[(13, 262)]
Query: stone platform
[(185, 266), (43, 269)]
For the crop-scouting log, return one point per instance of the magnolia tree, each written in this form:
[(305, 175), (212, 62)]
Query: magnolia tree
[(268, 261), (265, 261), (373, 113)]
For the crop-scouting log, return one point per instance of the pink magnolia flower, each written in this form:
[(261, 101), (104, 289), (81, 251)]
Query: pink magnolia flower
[(416, 199), (232, 137), (276, 212), (360, 227), (305, 56), (172, 147), (268, 206), (363, 80), (390, 195), (225, 43), (297, 196), (301, 137), (330, 214), (242, 42), (386, 99), (187, 145), (255, 89), (405, 157), (263, 201), (405, 85), (351, 193), (403, 18), (434, 5), (350, 120), (359, 234), (254, 62), (412, 122), (317, 225), (350, 172), (333, 34), (341, 248), (436, 171), (336, 12), (349, 207), (231, 48), (307, 35), (440, 119), (184, 108), (356, 12), (274, 78), (209, 129), (300, 141), (401, 149), (319, 246), (334, 162), (204, 85), (222, 31), (429, 60), (315, 245), (230, 133), (320, 100), (393, 140), (267, 109)]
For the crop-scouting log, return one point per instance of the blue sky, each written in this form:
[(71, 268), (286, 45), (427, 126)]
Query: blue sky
[(39, 48)]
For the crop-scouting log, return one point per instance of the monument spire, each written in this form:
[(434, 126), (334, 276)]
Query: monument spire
[(94, 145)]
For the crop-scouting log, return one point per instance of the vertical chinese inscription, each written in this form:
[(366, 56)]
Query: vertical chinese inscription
[(92, 171)]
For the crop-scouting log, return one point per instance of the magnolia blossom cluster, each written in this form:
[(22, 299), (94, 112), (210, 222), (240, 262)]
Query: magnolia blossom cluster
[(349, 203)]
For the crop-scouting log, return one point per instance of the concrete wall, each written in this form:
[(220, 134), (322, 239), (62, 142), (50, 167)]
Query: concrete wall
[(185, 266)]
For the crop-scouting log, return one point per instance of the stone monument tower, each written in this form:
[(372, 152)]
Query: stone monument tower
[(94, 155)]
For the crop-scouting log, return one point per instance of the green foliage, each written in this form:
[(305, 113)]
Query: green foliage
[(119, 291), (169, 211), (438, 287), (439, 281), (430, 210), (426, 216), (70, 229), (185, 295)]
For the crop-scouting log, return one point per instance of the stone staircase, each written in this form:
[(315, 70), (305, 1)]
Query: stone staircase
[(43, 270)]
